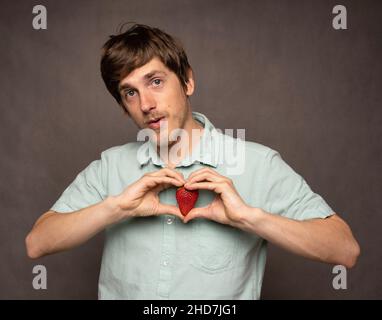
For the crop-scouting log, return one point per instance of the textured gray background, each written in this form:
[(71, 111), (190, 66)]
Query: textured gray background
[(276, 68)]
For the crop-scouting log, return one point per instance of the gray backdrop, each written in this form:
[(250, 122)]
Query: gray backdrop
[(276, 68)]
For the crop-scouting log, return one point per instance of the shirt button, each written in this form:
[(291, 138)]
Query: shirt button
[(170, 220)]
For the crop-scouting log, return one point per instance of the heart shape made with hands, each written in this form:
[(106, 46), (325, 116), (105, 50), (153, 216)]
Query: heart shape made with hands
[(186, 199)]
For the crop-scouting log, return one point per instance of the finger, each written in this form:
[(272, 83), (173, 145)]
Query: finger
[(161, 187), (164, 182), (199, 171), (204, 176), (170, 173), (203, 171), (195, 213), (173, 173), (170, 209), (214, 186)]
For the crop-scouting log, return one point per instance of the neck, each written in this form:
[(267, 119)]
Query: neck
[(184, 146)]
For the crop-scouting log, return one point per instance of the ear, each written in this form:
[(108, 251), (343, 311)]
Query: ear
[(190, 85)]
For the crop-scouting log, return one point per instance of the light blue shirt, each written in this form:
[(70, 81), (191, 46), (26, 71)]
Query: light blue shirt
[(161, 257)]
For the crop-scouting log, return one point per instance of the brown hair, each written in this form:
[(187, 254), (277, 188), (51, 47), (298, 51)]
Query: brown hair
[(129, 50)]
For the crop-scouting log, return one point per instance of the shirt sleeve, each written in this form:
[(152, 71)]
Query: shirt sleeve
[(288, 194), (88, 188)]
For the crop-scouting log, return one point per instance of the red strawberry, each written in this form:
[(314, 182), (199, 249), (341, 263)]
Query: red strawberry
[(186, 199)]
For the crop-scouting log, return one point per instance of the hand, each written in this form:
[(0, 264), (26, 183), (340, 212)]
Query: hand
[(226, 208), (141, 199)]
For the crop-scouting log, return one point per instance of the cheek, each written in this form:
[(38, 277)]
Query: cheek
[(175, 103), (136, 117), (180, 108)]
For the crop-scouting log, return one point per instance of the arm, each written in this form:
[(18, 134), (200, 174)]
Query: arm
[(328, 240), (54, 232)]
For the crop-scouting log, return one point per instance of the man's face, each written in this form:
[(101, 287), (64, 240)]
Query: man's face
[(154, 97)]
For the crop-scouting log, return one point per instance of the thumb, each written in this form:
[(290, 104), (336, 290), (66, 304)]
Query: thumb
[(170, 209), (194, 213)]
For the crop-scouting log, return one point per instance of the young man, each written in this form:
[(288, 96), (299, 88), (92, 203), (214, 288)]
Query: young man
[(218, 250)]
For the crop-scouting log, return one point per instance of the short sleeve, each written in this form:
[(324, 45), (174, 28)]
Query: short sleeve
[(288, 194), (86, 189)]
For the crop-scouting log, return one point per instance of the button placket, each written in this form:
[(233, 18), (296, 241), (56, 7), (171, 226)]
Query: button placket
[(170, 220), (168, 251)]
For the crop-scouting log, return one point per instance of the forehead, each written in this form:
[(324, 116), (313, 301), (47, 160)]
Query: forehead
[(141, 73)]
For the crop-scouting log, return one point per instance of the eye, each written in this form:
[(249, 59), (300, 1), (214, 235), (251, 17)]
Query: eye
[(129, 93), (156, 82)]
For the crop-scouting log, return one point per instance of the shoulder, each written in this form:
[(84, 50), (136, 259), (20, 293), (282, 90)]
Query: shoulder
[(259, 150), (252, 148), (245, 155), (262, 156)]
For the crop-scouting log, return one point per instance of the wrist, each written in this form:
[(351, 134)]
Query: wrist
[(115, 209), (250, 218)]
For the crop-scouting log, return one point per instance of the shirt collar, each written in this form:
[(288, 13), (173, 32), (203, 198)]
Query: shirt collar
[(206, 151)]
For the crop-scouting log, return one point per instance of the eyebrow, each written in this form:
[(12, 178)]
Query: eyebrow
[(147, 76)]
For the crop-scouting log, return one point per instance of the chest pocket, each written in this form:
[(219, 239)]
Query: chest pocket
[(215, 246)]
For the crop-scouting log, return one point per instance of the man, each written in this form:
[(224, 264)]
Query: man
[(218, 250)]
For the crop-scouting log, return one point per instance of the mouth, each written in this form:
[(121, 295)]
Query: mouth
[(155, 123)]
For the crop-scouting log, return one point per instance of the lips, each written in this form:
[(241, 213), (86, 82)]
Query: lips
[(155, 123)]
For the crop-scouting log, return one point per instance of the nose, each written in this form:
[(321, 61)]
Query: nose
[(147, 101)]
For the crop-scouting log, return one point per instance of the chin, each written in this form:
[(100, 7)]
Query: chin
[(159, 141)]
